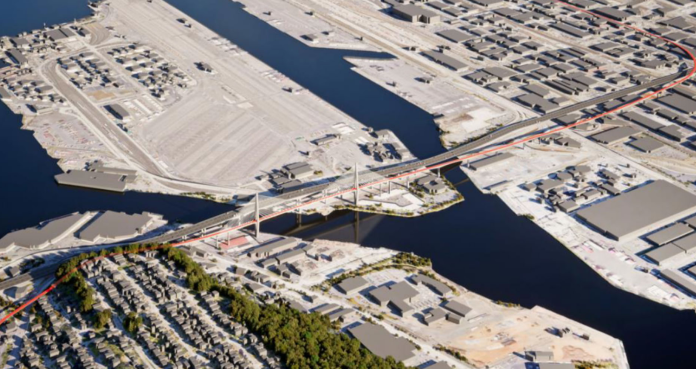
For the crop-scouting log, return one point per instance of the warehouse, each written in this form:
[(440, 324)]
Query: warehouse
[(111, 225), (457, 308), (455, 35), (352, 285), (273, 247), (17, 57), (614, 135), (680, 281), (119, 112), (679, 102), (382, 343), (664, 254), (669, 234), (398, 295), (639, 211), (413, 14), (46, 234), (646, 144), (437, 286), (94, 180), (615, 14), (494, 159), (445, 60)]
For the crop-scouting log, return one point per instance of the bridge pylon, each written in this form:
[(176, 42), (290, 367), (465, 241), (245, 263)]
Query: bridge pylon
[(257, 211)]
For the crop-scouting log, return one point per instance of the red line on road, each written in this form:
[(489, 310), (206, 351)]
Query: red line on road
[(644, 97)]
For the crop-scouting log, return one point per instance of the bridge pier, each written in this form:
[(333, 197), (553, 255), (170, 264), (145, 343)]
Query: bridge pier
[(298, 218), (389, 187), (257, 226), (357, 185)]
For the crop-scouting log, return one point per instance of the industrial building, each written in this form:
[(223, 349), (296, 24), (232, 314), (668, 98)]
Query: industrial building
[(435, 285), (352, 285), (446, 60), (669, 234), (398, 295), (493, 159), (413, 14), (45, 234), (639, 211), (273, 247), (614, 135), (110, 225), (680, 281), (298, 170), (382, 343), (118, 112), (646, 144), (94, 180)]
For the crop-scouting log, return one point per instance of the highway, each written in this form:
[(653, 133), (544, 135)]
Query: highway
[(235, 220)]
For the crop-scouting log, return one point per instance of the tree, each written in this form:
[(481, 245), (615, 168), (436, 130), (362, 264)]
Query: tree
[(133, 322), (102, 318)]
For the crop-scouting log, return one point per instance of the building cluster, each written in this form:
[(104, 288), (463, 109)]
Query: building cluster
[(88, 70), (150, 69), (39, 97), (290, 176), (548, 77)]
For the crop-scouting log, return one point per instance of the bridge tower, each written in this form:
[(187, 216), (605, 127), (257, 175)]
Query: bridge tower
[(257, 225)]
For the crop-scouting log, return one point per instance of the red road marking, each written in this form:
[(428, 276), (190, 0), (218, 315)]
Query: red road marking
[(447, 163)]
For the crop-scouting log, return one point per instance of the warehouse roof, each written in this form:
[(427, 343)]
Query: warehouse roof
[(614, 135), (679, 102), (457, 307), (352, 284), (648, 207), (96, 180), (382, 343), (680, 281), (479, 164), (113, 225), (46, 233), (646, 144), (445, 60), (670, 233), (687, 243), (455, 35)]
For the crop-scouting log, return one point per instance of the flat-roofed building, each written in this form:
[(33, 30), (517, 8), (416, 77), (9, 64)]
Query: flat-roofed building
[(679, 280), (398, 295), (437, 286), (679, 102), (382, 343), (352, 285), (613, 13), (455, 35), (17, 57), (640, 211), (669, 234), (664, 254), (119, 112), (556, 366), (94, 180), (687, 243), (646, 144), (457, 308), (111, 225), (493, 159), (445, 60), (47, 233), (273, 247), (614, 135), (413, 14)]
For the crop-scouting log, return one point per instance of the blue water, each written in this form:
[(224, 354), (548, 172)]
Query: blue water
[(479, 244)]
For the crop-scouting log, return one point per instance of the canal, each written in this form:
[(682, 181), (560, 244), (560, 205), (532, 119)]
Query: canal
[(479, 243)]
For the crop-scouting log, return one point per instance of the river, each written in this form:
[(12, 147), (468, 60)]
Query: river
[(479, 243)]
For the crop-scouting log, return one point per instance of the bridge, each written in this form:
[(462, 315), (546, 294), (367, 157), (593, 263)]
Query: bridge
[(259, 211)]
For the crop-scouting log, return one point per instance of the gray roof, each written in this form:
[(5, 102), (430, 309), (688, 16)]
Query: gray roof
[(457, 307), (17, 56), (642, 120), (669, 234), (556, 366), (479, 164), (382, 343), (326, 308), (439, 365), (439, 287), (353, 284), (687, 243), (120, 111), (614, 135), (646, 144), (454, 35), (679, 102), (641, 210), (397, 294), (445, 60), (664, 253), (275, 246), (96, 180), (46, 233), (112, 225), (680, 281)]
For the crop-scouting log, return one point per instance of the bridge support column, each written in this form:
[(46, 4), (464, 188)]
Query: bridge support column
[(389, 187), (438, 172), (298, 218), (257, 226), (357, 185)]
